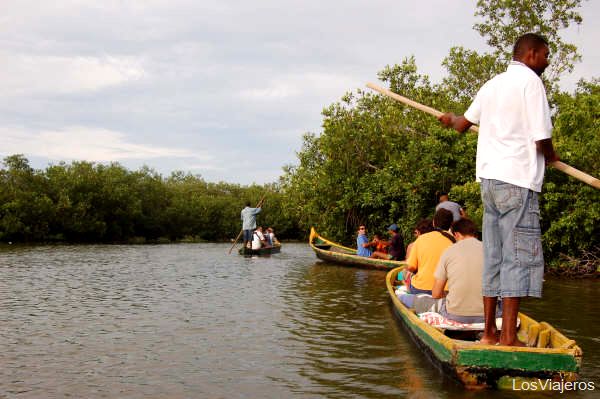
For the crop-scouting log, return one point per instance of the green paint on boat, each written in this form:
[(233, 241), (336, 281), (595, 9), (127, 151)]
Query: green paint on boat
[(438, 349), (527, 361)]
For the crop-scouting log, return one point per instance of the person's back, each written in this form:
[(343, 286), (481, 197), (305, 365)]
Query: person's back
[(462, 266), (514, 142), (426, 252), (453, 207), (274, 240), (258, 239), (424, 256), (504, 111), (248, 216), (397, 250), (422, 227), (269, 239)]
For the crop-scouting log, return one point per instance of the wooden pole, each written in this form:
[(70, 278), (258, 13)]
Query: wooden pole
[(235, 242), (563, 167), (242, 230)]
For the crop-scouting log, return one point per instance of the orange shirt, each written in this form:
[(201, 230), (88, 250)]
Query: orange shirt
[(424, 256), (381, 246)]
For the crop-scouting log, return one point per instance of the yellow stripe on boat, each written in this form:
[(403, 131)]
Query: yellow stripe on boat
[(550, 357)]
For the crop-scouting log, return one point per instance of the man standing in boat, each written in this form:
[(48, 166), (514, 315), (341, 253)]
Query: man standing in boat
[(445, 203), (514, 140), (248, 216)]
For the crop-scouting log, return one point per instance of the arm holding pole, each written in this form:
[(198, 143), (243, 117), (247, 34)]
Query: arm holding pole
[(241, 231), (457, 123)]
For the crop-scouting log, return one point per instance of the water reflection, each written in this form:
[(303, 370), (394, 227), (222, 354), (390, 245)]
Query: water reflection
[(187, 320)]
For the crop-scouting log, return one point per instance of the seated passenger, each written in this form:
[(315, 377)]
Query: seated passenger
[(422, 227), (258, 239), (362, 242), (271, 237), (396, 246), (426, 253), (461, 266), (378, 245)]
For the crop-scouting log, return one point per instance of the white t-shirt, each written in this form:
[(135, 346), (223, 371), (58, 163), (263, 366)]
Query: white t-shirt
[(257, 239), (513, 113)]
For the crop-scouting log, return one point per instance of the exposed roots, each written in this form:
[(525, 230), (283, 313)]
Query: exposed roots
[(585, 266)]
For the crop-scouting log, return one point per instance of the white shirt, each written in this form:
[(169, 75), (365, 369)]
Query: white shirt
[(513, 113), (257, 239)]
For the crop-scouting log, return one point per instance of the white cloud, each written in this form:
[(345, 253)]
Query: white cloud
[(25, 74), (237, 79), (301, 84), (205, 167), (83, 143)]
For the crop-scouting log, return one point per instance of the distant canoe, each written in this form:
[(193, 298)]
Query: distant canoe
[(265, 251), (549, 357), (336, 253)]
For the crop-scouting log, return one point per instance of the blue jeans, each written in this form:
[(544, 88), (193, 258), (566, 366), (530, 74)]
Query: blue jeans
[(414, 290), (512, 242), (248, 235)]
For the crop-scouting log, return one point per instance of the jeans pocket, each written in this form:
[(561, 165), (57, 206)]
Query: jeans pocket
[(530, 217), (507, 197), (528, 247)]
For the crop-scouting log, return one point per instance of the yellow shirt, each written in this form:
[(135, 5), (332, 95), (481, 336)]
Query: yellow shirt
[(424, 256)]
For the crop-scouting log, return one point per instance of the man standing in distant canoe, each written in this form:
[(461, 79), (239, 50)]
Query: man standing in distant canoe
[(444, 202), (514, 139), (248, 216)]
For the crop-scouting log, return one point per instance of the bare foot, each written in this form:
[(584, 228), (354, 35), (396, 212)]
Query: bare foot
[(516, 342), (491, 340)]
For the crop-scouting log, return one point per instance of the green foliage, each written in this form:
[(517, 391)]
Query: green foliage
[(505, 20), (571, 209), (377, 161), (467, 72), (86, 202)]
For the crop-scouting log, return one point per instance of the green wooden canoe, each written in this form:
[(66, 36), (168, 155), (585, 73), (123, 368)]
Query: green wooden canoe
[(550, 356), (336, 253), (265, 251)]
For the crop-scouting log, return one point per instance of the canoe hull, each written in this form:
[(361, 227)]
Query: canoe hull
[(332, 252), (479, 366), (266, 251)]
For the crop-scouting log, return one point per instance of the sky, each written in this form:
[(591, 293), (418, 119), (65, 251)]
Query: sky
[(224, 89)]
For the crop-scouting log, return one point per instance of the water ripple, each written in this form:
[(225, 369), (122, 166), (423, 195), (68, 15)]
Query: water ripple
[(188, 320)]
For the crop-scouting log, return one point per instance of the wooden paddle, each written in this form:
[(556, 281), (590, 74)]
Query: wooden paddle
[(563, 167), (242, 230)]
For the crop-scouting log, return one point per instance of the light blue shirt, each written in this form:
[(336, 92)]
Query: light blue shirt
[(361, 251), (248, 216), (452, 207)]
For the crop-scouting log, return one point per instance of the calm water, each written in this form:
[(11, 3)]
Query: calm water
[(188, 321)]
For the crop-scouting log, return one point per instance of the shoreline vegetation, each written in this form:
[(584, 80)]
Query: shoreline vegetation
[(83, 202), (375, 162), (87, 203)]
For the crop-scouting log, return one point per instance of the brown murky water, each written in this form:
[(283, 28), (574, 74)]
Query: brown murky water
[(183, 321)]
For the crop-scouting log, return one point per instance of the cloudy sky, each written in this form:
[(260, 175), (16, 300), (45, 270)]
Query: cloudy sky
[(220, 88)]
